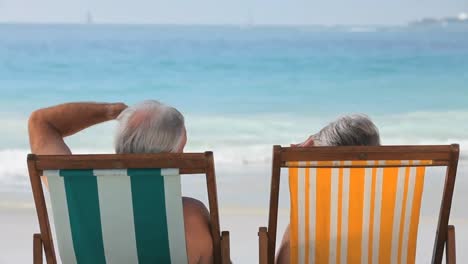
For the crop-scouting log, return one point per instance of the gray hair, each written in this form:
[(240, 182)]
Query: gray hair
[(149, 127), (349, 130)]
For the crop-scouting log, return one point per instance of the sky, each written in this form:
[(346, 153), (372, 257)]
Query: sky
[(296, 12)]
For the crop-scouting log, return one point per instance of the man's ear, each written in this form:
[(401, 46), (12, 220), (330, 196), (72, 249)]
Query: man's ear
[(183, 142)]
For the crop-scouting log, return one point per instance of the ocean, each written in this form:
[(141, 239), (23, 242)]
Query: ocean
[(241, 89)]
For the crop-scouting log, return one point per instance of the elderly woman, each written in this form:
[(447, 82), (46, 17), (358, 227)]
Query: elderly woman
[(350, 130), (149, 127)]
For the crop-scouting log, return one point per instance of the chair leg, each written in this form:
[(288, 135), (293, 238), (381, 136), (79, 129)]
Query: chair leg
[(450, 252), (263, 245), (37, 249), (225, 248)]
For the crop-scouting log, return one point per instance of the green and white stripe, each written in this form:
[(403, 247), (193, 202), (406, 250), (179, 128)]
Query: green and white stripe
[(118, 216), (119, 237), (58, 199)]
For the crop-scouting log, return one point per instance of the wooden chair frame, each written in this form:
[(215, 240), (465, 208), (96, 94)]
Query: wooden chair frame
[(442, 155), (188, 163)]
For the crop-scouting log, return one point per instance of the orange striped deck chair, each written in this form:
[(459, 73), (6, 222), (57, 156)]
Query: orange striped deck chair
[(358, 204)]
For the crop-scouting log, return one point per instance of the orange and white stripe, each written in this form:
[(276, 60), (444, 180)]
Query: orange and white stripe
[(355, 215)]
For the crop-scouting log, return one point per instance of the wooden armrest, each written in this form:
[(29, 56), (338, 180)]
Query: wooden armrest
[(263, 245), (450, 252), (225, 248), (37, 249)]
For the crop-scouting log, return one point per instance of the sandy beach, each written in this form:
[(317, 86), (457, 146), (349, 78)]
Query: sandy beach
[(243, 196)]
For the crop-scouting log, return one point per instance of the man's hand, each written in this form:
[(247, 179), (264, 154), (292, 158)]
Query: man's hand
[(114, 110), (48, 126)]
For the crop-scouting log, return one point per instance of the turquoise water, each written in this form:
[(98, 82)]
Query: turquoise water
[(241, 89), (235, 70)]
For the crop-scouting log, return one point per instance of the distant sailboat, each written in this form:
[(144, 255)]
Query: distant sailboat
[(89, 18), (250, 21)]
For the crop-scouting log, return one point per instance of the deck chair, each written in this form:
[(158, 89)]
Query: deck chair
[(123, 208), (358, 204)]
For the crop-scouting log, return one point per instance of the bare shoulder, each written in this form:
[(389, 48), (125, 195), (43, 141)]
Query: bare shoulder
[(195, 208)]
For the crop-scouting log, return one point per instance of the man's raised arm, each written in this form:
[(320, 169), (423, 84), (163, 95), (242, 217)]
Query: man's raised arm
[(48, 126)]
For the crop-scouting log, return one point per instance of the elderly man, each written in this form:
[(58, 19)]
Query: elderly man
[(351, 130), (149, 127)]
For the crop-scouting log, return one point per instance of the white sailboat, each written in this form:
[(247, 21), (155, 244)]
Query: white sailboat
[(89, 18)]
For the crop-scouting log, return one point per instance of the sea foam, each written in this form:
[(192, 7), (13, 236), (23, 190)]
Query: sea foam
[(242, 140)]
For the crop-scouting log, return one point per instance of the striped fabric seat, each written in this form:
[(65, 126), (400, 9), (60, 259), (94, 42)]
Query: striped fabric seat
[(118, 216), (355, 214)]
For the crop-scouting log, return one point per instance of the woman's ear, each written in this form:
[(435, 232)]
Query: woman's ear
[(308, 143)]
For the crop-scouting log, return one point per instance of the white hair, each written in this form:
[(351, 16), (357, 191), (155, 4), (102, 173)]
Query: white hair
[(349, 130), (149, 127)]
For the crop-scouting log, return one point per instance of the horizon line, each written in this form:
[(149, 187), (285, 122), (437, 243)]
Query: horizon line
[(104, 23)]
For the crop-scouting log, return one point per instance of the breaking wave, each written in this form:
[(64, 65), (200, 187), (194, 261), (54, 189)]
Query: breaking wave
[(240, 140)]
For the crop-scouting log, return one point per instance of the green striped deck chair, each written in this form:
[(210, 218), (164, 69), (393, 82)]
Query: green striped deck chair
[(361, 204), (119, 208)]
